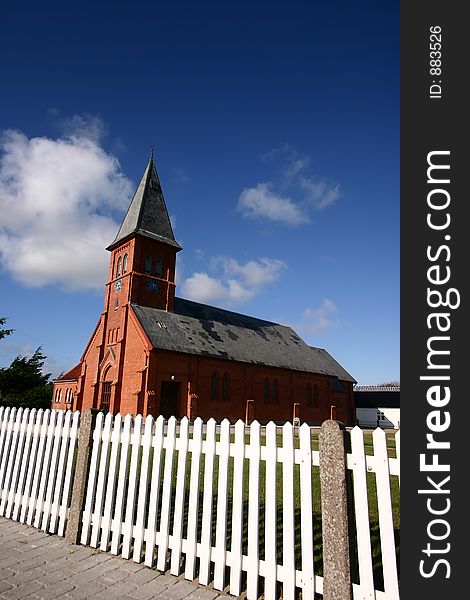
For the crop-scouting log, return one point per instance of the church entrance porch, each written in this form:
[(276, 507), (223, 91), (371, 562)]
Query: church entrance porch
[(169, 399)]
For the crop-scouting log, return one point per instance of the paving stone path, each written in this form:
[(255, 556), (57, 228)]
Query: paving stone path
[(36, 565)]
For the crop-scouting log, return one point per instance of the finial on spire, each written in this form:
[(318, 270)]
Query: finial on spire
[(151, 153)]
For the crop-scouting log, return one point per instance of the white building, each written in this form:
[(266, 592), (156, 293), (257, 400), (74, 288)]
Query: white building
[(377, 406)]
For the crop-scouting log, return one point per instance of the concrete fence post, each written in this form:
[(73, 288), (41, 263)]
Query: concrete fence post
[(85, 441), (334, 502)]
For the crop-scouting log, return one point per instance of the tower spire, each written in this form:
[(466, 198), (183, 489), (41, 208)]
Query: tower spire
[(147, 214)]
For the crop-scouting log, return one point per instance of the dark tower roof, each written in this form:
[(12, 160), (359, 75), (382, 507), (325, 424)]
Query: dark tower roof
[(147, 214)]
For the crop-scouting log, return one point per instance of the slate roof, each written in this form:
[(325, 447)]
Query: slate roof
[(204, 330), (147, 214)]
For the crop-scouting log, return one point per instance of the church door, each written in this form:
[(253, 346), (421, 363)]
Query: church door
[(169, 399)]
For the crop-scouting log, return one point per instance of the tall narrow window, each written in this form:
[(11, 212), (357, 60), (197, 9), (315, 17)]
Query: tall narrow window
[(309, 397), (316, 396), (275, 390), (148, 264), (214, 386), (105, 396), (124, 264), (119, 264), (159, 268), (225, 388), (267, 390)]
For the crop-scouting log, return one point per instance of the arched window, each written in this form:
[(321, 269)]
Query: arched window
[(214, 386), (308, 395), (106, 391), (275, 391), (148, 264), (118, 271), (316, 396), (267, 390), (159, 268), (124, 264), (225, 388)]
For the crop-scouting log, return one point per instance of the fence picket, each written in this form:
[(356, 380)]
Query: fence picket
[(288, 524), (45, 468), (10, 465), (193, 500), (221, 515), (384, 501), (39, 466), (206, 530), (306, 512), (17, 460), (397, 448), (143, 485), (116, 526), (151, 530), (3, 421), (128, 525), (91, 487), (237, 508), (57, 433), (24, 464), (100, 485), (252, 573), (112, 481), (59, 482), (163, 537), (270, 519), (63, 509), (5, 434), (179, 497), (32, 460), (361, 502)]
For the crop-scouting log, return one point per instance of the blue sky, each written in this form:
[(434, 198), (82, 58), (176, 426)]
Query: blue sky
[(276, 134)]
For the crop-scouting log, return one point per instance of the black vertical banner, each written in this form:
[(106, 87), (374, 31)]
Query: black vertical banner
[(435, 353)]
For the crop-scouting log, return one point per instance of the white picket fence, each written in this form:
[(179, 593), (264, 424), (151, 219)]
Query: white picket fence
[(215, 502), (36, 466)]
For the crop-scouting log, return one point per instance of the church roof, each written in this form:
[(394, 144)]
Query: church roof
[(71, 375), (147, 214), (194, 328)]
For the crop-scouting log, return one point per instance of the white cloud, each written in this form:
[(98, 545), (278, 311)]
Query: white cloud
[(315, 321), (300, 194), (57, 199), (319, 193), (261, 202), (235, 283)]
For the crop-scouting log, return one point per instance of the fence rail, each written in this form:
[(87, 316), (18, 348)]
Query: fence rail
[(233, 504)]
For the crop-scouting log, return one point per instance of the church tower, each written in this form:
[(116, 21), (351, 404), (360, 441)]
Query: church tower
[(143, 254), (141, 272)]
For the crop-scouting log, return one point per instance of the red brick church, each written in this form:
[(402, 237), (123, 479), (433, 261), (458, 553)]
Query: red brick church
[(154, 353)]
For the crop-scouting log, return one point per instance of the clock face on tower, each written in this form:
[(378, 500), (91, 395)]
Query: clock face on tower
[(152, 285), (118, 285)]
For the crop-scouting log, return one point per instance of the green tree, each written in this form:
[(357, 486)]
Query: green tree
[(24, 384), (4, 332)]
